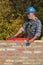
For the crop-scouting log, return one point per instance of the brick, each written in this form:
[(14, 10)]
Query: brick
[(2, 54), (32, 61), (9, 60), (2, 60), (2, 49), (8, 63), (30, 49), (10, 49), (19, 60), (40, 55), (18, 63), (27, 52), (21, 49), (10, 53), (17, 54), (37, 52)]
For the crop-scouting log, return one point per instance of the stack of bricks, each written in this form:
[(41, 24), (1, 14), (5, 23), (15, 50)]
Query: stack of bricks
[(17, 53)]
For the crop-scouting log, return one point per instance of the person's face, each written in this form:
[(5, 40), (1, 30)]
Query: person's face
[(30, 15)]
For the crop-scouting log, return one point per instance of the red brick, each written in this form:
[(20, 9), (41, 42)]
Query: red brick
[(39, 55), (21, 49), (30, 49), (18, 54), (2, 54), (1, 60), (10, 53)]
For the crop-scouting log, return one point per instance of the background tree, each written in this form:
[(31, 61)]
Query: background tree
[(12, 15)]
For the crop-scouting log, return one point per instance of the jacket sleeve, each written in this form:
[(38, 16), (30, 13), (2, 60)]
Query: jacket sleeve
[(23, 27), (38, 30)]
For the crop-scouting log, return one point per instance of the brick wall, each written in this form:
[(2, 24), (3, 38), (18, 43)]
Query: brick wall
[(16, 53)]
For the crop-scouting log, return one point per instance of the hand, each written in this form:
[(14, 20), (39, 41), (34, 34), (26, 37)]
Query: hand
[(31, 41), (13, 37)]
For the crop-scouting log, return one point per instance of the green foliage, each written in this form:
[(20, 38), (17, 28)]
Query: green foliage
[(12, 15)]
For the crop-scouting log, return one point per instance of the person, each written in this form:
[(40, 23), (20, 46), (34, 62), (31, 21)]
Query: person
[(32, 26)]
